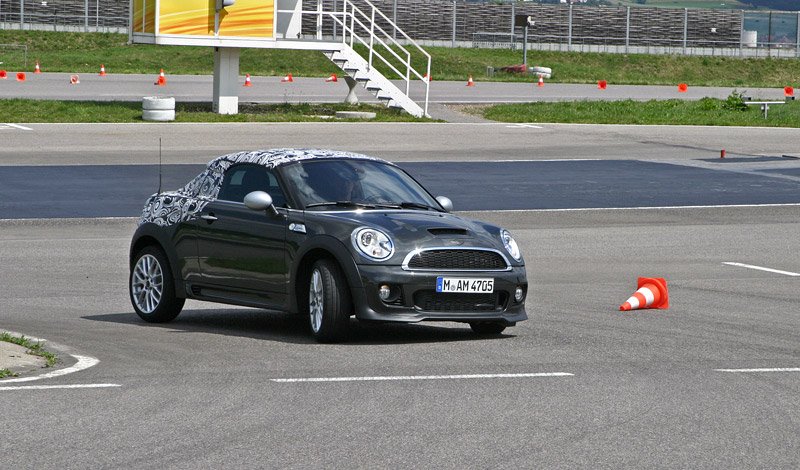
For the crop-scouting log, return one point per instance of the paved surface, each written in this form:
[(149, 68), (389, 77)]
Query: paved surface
[(120, 190), (646, 388), (303, 90), (102, 144), (645, 391)]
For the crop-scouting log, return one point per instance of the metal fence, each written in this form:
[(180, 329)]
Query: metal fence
[(460, 23), (66, 15)]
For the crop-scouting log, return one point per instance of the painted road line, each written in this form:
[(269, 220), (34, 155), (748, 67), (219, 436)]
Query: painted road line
[(57, 387), (84, 362), (761, 268), (423, 377), (786, 369), (639, 208), (17, 126), (524, 126)]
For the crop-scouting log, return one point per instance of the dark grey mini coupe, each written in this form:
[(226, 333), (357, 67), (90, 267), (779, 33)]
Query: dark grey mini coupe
[(326, 234)]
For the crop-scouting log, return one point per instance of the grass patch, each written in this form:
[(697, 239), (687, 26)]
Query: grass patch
[(6, 373), (47, 111), (84, 52), (33, 348), (704, 112)]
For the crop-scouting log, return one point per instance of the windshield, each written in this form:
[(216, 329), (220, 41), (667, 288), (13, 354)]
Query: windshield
[(357, 182)]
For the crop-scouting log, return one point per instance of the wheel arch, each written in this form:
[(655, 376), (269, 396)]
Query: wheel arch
[(150, 234), (323, 247)]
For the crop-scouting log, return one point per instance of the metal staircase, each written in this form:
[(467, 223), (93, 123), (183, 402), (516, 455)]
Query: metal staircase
[(384, 55)]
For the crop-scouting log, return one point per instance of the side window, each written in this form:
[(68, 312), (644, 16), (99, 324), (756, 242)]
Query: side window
[(240, 180)]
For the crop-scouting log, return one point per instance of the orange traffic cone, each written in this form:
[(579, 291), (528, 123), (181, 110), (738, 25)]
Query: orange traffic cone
[(37, 69), (788, 91), (427, 77), (470, 82), (162, 79), (247, 81), (602, 85), (102, 70), (332, 79), (3, 75), (74, 80), (541, 81), (682, 88), (20, 76), (651, 293), (287, 79)]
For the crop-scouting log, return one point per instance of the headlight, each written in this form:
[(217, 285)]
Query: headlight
[(373, 243), (511, 245)]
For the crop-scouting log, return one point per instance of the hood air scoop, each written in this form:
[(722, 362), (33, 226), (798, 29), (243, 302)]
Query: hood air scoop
[(448, 231)]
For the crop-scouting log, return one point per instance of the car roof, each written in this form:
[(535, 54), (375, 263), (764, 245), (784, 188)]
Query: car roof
[(274, 158)]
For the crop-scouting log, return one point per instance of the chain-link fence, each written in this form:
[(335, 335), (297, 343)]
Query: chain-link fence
[(66, 15), (460, 23)]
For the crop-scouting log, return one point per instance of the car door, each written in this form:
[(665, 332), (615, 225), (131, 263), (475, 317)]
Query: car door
[(242, 252)]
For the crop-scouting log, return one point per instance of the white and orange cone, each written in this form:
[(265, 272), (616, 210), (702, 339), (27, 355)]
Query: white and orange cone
[(651, 293), (102, 70), (470, 82), (247, 81), (427, 78), (37, 69), (74, 80), (3, 75), (332, 79), (287, 79), (541, 81), (162, 79)]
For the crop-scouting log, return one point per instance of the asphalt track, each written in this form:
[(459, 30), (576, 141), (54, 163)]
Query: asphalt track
[(119, 190), (579, 385)]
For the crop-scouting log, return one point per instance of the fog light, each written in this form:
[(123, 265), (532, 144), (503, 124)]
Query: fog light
[(385, 292), (518, 294)]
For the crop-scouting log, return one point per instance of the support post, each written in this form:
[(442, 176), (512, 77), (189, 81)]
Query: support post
[(226, 80), (685, 29), (319, 20), (513, 16), (525, 48), (453, 41), (569, 39), (351, 95), (85, 16), (627, 29)]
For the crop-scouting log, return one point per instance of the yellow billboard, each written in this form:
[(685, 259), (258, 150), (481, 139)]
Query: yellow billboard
[(245, 18), (144, 16)]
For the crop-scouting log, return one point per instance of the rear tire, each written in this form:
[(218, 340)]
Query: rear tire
[(328, 302), (487, 327), (152, 287)]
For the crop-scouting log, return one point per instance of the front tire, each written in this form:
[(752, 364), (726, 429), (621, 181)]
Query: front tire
[(329, 305), (152, 287), (487, 327)]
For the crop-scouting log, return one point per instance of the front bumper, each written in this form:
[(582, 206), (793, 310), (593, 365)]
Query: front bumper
[(418, 300)]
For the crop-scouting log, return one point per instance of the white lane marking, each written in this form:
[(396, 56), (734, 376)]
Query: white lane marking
[(17, 126), (424, 377), (785, 369), (641, 208), (84, 362), (524, 126), (51, 387), (761, 268)]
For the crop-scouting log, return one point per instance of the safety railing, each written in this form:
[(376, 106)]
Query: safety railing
[(359, 27)]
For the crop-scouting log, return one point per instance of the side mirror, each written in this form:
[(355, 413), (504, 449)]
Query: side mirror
[(259, 201), (445, 202)]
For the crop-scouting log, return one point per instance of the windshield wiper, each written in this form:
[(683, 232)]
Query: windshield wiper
[(342, 204), (417, 205)]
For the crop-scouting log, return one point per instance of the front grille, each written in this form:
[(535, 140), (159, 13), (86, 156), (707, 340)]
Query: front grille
[(468, 260), (432, 301)]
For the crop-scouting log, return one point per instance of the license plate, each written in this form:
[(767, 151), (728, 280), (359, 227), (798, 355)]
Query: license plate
[(463, 285)]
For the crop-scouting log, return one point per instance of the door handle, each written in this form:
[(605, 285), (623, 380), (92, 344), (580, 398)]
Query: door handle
[(208, 218)]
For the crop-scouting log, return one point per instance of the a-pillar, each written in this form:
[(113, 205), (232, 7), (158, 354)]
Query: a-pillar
[(226, 80)]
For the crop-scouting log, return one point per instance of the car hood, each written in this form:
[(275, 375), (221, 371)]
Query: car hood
[(413, 229)]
